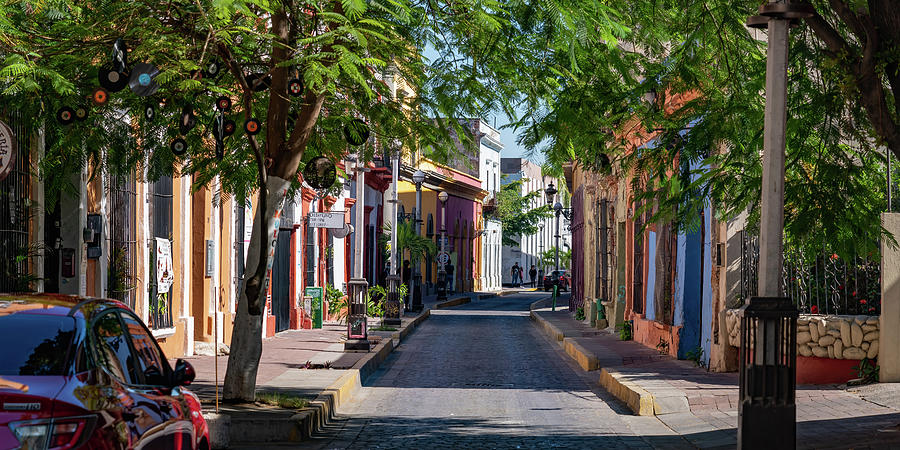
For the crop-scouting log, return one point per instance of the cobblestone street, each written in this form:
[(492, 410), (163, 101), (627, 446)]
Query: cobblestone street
[(482, 376)]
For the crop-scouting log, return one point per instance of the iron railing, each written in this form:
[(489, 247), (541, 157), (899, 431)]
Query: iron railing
[(122, 283), (16, 251), (823, 283)]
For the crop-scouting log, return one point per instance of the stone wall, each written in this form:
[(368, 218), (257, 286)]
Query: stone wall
[(836, 337)]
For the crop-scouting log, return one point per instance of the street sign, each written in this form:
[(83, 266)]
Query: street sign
[(7, 150), (443, 257), (333, 220)]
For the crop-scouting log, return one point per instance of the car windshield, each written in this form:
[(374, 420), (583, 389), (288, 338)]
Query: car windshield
[(35, 344)]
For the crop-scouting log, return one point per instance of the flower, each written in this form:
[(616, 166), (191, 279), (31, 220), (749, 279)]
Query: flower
[(862, 301), (853, 294), (872, 309), (834, 256), (814, 309)]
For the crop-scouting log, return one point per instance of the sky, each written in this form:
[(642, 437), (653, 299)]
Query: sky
[(511, 149)]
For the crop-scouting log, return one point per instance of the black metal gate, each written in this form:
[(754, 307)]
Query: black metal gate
[(122, 240), (281, 281), (16, 252), (160, 227), (637, 294)]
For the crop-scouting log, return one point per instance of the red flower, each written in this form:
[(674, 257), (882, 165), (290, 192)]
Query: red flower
[(834, 256), (862, 301), (853, 294), (872, 309), (814, 309)]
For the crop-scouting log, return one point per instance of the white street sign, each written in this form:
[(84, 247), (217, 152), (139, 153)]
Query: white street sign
[(334, 220), (443, 257), (164, 275)]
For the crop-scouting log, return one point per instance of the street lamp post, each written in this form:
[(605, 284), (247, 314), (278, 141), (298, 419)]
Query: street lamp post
[(557, 207), (392, 303), (442, 274), (357, 324), (418, 178), (541, 259)]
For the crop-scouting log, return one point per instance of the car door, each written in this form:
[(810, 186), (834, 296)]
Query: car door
[(171, 426)]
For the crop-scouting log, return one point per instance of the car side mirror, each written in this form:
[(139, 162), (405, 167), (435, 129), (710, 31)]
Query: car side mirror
[(184, 374)]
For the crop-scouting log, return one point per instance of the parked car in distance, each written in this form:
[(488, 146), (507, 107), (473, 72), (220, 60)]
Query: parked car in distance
[(561, 277), (87, 373)]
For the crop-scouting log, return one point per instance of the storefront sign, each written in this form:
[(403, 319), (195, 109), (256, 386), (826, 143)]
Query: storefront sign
[(7, 150), (334, 220), (164, 274)]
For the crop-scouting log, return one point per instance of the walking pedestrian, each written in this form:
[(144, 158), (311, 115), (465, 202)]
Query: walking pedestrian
[(532, 273), (449, 270)]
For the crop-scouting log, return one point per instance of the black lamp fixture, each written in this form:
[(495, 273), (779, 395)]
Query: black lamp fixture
[(551, 192)]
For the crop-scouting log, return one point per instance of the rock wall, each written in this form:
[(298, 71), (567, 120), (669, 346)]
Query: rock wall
[(836, 337)]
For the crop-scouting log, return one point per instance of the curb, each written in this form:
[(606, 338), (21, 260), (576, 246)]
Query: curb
[(308, 421), (453, 302), (640, 401)]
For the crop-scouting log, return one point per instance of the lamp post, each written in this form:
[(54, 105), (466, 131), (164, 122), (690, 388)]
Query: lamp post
[(392, 303), (557, 207), (541, 259), (418, 178), (442, 274), (357, 324)]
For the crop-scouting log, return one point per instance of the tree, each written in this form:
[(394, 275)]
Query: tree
[(515, 212), (549, 258), (843, 80), (407, 241), (481, 55)]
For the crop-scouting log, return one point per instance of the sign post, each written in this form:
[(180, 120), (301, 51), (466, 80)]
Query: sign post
[(316, 293)]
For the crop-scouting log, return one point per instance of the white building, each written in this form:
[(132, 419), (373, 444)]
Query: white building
[(490, 147), (528, 253)]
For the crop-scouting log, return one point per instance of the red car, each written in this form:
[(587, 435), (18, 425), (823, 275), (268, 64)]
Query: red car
[(87, 373), (554, 277)]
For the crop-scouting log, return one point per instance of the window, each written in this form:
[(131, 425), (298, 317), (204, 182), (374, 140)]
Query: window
[(42, 344), (152, 364), (112, 350), (122, 240)]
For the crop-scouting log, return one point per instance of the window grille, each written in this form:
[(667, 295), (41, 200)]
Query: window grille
[(637, 293)]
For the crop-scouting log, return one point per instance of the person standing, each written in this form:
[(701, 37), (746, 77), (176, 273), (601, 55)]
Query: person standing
[(515, 274), (449, 270), (532, 273)]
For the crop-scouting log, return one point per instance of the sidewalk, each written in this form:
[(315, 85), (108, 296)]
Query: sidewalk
[(701, 405)]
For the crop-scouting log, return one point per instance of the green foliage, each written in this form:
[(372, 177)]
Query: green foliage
[(708, 144), (337, 303), (867, 370), (549, 258), (517, 213), (579, 313), (696, 355), (375, 297), (411, 245), (624, 330)]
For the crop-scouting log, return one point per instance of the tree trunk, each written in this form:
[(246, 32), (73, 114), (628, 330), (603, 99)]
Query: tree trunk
[(246, 341)]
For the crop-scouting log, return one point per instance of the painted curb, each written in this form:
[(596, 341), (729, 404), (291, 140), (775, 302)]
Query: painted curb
[(307, 422), (587, 360), (638, 400)]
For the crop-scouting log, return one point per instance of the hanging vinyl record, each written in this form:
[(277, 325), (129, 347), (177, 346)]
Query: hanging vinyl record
[(213, 69), (356, 132), (223, 103), (81, 113), (320, 173), (119, 56), (100, 96), (228, 127), (178, 147), (65, 115), (149, 112), (142, 80), (188, 120), (112, 80), (259, 81), (251, 126), (295, 87)]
